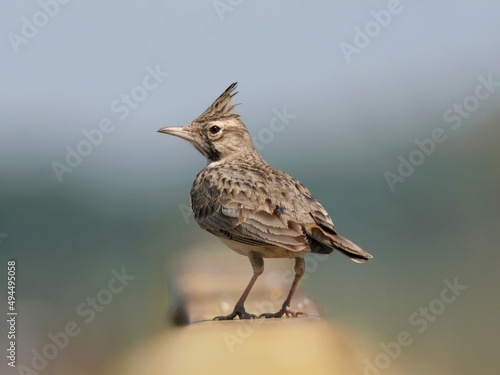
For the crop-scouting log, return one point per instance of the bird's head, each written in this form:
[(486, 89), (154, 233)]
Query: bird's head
[(217, 133)]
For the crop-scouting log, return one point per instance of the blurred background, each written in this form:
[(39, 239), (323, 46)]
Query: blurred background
[(89, 189)]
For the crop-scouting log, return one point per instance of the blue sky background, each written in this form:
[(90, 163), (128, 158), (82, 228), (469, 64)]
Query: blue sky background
[(119, 207)]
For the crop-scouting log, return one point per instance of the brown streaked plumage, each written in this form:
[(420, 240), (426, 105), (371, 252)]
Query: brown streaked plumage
[(256, 210)]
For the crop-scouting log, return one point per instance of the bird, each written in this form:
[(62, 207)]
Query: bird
[(256, 210)]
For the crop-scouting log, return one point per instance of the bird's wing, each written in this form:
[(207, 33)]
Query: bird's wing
[(249, 212), (259, 226), (318, 226), (281, 212)]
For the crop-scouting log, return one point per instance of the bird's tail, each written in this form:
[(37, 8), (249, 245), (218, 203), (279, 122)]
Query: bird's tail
[(349, 248)]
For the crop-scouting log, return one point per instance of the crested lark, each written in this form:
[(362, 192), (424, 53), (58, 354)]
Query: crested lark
[(256, 210)]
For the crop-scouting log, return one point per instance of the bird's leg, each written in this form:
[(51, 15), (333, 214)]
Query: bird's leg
[(239, 309), (285, 308)]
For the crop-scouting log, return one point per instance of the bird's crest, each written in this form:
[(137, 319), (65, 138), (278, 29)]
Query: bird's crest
[(222, 107)]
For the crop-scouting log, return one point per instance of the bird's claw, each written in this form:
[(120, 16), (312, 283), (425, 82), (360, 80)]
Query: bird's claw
[(286, 310), (237, 312)]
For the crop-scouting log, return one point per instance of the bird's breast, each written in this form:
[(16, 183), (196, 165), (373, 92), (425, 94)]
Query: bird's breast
[(205, 196)]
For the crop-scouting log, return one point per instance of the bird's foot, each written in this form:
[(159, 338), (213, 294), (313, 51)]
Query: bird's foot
[(285, 310), (239, 311)]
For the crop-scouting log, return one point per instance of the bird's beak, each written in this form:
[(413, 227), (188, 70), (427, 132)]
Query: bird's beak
[(178, 132)]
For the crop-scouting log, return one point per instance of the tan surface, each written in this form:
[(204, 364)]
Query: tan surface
[(209, 283), (279, 346)]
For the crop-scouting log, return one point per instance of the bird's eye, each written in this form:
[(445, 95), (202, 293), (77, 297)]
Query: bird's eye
[(214, 129)]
